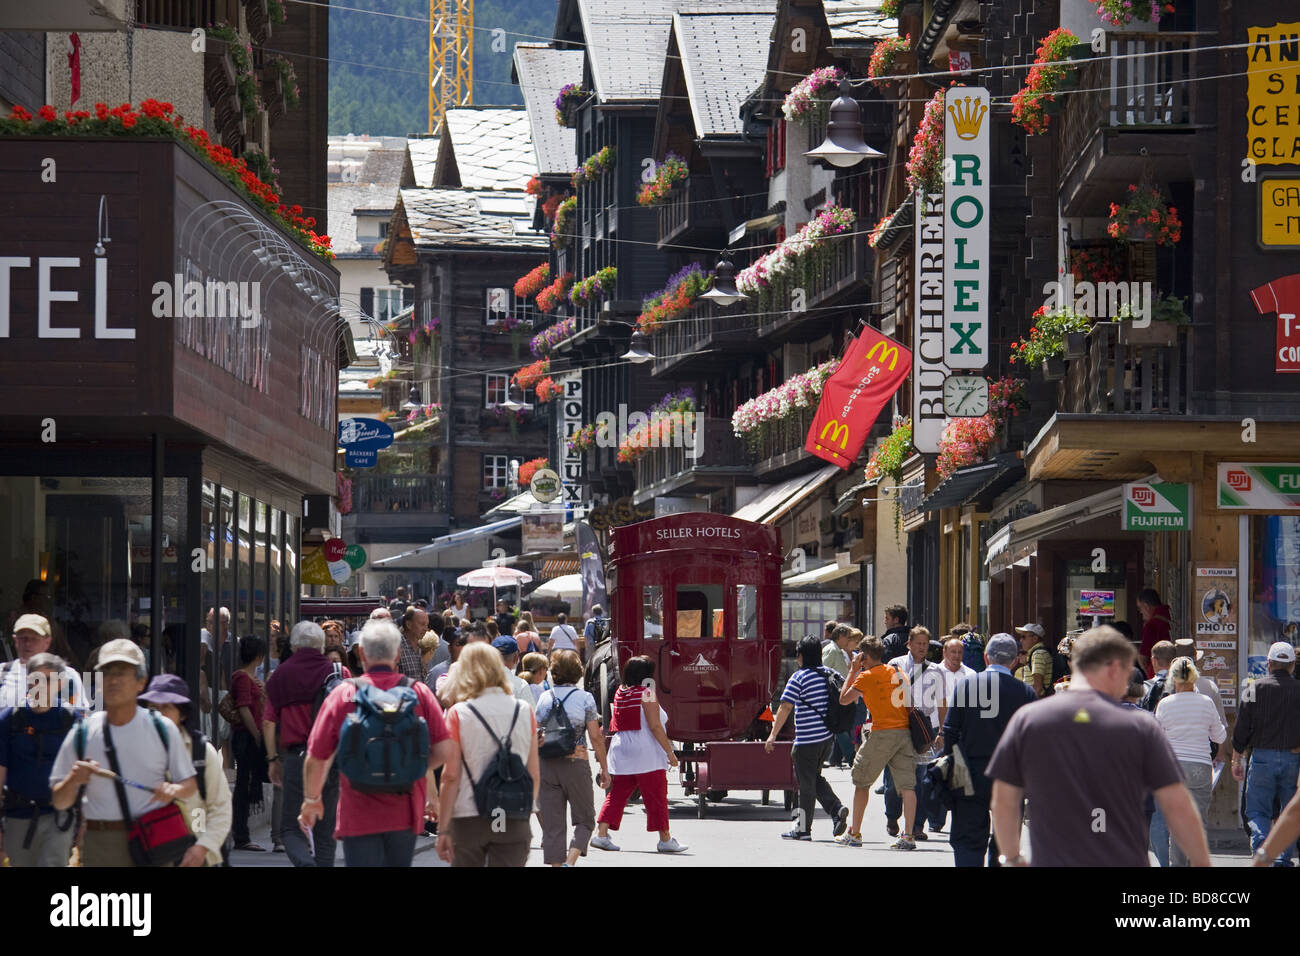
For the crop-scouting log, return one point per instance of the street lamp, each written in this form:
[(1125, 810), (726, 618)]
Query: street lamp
[(844, 146), (724, 291), (637, 349), (515, 399)]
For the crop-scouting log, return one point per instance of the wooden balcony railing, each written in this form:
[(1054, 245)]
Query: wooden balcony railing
[(707, 326), (783, 441), (839, 265), (720, 449), (380, 494), (185, 14), (1125, 369), (688, 209), (1143, 82)]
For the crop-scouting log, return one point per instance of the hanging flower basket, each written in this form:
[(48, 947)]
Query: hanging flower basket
[(1145, 217), (925, 159), (888, 57), (1036, 100), (1119, 13), (1046, 337), (566, 104), (562, 231), (809, 96), (672, 172)]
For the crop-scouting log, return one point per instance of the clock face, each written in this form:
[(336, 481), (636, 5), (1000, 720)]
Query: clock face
[(965, 396)]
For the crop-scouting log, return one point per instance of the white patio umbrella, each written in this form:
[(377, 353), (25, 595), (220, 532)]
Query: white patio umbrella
[(494, 577), (567, 587)]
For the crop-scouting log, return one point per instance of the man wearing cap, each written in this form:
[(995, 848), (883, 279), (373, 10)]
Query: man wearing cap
[(32, 832), (147, 749), (1268, 724), (509, 649), (1037, 672), (981, 708), (32, 636)]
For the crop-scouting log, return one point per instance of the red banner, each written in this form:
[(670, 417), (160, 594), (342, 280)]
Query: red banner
[(872, 369)]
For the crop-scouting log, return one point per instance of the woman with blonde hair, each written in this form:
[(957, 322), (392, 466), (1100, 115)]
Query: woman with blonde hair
[(526, 636), (534, 670), (1192, 724), (484, 719)]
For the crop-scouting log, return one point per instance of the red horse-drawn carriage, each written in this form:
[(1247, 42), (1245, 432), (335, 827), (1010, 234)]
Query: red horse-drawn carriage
[(700, 594)]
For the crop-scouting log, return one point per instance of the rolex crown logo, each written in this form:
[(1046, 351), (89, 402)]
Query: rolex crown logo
[(966, 119)]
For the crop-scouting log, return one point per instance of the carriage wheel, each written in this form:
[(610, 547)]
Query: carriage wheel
[(789, 799), (605, 710)]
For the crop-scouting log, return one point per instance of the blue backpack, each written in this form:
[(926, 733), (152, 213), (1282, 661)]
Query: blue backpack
[(384, 743)]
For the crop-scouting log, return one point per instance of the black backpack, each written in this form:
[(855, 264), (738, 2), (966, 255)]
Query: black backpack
[(199, 748), (332, 680), (839, 718), (1155, 693), (559, 738), (599, 629), (506, 784)]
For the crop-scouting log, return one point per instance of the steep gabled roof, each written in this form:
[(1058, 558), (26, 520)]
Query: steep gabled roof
[(541, 70), (488, 148), (724, 56), (421, 158), (858, 21), (449, 217)]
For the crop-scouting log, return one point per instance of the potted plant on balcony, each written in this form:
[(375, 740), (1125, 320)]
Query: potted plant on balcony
[(1120, 13), (1045, 345), (1051, 74), (1162, 331), (891, 55), (887, 461), (925, 159), (1145, 217), (572, 95), (595, 166), (758, 418), (593, 288), (669, 174), (807, 102)]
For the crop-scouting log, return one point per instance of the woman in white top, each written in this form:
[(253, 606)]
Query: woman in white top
[(483, 695), (639, 756), (1191, 722), (562, 637)]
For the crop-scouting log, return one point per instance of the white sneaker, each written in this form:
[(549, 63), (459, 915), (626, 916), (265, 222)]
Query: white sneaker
[(603, 843), (670, 846)]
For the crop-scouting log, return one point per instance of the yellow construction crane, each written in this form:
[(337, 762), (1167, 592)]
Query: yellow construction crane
[(451, 58)]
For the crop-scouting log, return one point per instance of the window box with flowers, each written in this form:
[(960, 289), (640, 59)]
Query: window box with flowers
[(548, 390), (887, 461), (891, 55), (757, 418), (529, 285), (587, 437), (675, 299), (1052, 73), (970, 441), (156, 119), (809, 100), (595, 166), (562, 230), (593, 288), (1120, 13), (572, 95), (530, 468), (549, 299), (1145, 217), (786, 265), (669, 174), (670, 418), (1045, 344), (925, 158), (421, 421), (546, 340), (530, 375), (241, 53), (1162, 331)]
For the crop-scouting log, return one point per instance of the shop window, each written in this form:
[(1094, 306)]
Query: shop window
[(804, 615), (244, 561), (746, 612), (261, 618), (699, 611), (652, 612), (1079, 577), (1274, 591)]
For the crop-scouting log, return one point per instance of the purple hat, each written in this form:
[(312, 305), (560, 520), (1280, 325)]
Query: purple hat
[(166, 689)]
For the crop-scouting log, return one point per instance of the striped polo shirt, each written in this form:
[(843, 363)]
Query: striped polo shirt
[(809, 691)]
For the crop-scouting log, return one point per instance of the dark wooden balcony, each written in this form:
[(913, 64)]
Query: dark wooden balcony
[(708, 337), (677, 470), (1132, 115), (833, 272), (691, 214), (780, 445), (1125, 369), (397, 507)]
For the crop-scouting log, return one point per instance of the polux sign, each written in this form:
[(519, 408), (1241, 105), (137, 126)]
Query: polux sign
[(966, 227), (47, 295)]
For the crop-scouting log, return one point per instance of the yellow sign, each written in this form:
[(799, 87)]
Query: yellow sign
[(888, 353), (839, 433), (966, 119), (1279, 211), (1273, 94)]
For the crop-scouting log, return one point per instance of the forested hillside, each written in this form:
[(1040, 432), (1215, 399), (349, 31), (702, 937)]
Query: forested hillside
[(379, 65)]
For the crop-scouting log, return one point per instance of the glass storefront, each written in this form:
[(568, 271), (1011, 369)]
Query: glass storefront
[(1274, 586), (806, 613), (1079, 577)]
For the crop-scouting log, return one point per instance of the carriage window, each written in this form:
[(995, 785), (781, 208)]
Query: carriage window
[(652, 611), (746, 611), (699, 610)]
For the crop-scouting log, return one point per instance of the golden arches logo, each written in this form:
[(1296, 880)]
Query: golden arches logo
[(966, 119), (839, 433), (888, 353)]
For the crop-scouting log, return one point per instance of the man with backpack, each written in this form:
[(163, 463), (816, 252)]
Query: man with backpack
[(813, 693), (32, 832), (597, 628), (1155, 688), (387, 735), (836, 649), (295, 692)]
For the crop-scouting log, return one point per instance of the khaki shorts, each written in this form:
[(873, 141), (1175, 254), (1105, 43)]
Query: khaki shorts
[(885, 748)]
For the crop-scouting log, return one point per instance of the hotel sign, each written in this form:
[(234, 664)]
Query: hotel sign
[(966, 227)]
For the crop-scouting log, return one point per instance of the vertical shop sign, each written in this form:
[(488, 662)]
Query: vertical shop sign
[(966, 227), (928, 369)]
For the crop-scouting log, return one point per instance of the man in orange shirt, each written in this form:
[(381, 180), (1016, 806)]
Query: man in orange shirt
[(888, 744)]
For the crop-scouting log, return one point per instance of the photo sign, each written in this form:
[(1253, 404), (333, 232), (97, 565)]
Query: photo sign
[(361, 439), (966, 227), (1214, 597)]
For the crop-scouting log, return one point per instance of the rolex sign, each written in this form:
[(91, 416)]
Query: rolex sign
[(966, 227)]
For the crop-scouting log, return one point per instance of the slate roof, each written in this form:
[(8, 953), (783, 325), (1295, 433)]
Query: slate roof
[(542, 70), (724, 57), (423, 154), (492, 147), (628, 39), (460, 217), (342, 199), (857, 21)]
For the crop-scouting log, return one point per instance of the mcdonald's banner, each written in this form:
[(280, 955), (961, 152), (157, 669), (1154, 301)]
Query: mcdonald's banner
[(872, 369)]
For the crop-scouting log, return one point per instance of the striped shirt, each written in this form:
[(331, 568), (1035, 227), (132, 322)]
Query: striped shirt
[(809, 691)]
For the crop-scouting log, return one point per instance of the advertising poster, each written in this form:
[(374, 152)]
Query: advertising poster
[(542, 531), (1097, 603), (1213, 597)]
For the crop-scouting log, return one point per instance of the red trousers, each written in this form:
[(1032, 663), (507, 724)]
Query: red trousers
[(654, 796)]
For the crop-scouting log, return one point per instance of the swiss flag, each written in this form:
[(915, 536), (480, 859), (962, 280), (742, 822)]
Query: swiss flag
[(872, 369)]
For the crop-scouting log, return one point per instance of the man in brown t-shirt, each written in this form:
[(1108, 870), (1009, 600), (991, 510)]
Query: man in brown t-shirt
[(1086, 763)]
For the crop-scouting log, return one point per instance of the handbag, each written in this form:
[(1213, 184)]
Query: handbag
[(161, 836), (228, 710), (922, 730)]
